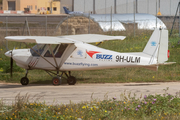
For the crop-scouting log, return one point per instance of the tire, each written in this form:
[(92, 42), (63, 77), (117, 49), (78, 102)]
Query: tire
[(71, 80), (56, 81), (24, 81)]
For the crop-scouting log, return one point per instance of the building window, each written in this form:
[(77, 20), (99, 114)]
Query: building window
[(11, 5), (54, 8), (31, 7), (48, 8), (36, 7)]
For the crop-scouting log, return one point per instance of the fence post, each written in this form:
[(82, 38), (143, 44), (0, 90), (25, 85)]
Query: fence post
[(170, 7), (46, 25), (105, 7), (148, 6), (67, 25), (179, 17), (111, 20), (115, 4), (89, 25), (156, 13), (134, 18), (126, 6), (6, 31), (28, 26)]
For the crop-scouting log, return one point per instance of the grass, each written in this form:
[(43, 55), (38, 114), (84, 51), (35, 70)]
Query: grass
[(126, 107), (120, 75)]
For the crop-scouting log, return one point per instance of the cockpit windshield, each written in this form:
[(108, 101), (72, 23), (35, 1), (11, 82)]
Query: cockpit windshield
[(39, 48)]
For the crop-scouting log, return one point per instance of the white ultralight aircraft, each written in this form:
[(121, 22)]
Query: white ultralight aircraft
[(71, 53)]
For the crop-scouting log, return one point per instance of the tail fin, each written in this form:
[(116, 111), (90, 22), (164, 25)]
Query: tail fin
[(157, 46), (66, 10)]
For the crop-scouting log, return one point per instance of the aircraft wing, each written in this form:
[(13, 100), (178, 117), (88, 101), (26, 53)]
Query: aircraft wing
[(91, 38), (86, 38), (38, 39)]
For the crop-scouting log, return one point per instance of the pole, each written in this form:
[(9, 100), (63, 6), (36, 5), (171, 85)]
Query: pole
[(6, 31), (170, 7), (126, 6), (156, 13), (174, 19), (84, 5), (115, 11), (134, 19), (105, 6), (67, 25), (148, 6), (179, 18), (72, 5), (136, 6), (111, 20), (51, 5), (26, 27), (89, 25), (94, 12), (27, 24), (46, 25)]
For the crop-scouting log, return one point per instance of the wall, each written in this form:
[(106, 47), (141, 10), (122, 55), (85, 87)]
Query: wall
[(1, 7), (30, 4), (57, 6), (66, 3), (167, 7), (34, 5)]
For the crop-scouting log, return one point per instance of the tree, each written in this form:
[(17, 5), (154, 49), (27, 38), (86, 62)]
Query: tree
[(0, 1)]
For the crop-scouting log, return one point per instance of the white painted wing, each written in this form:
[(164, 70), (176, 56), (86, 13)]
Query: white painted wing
[(87, 38), (91, 38), (38, 39)]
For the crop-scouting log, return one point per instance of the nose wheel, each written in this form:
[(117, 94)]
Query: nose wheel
[(24, 81)]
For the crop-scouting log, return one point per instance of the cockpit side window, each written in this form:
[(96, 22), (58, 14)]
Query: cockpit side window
[(49, 53), (61, 50), (39, 48)]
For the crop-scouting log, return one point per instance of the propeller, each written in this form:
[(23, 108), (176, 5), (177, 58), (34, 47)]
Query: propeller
[(11, 63)]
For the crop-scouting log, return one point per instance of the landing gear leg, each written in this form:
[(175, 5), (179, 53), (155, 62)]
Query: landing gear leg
[(71, 80), (25, 80)]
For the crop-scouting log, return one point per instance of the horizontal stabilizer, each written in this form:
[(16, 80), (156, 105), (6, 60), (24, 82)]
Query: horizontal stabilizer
[(166, 63)]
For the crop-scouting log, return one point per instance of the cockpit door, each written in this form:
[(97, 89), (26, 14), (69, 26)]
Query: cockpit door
[(36, 51), (52, 56)]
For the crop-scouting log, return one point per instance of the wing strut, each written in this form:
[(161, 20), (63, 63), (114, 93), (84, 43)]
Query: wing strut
[(54, 57)]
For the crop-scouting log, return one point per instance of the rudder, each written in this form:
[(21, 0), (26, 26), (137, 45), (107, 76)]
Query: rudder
[(157, 46)]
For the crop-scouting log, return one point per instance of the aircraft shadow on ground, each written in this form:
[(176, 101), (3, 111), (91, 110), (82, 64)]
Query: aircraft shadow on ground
[(83, 79), (12, 86), (140, 84), (39, 83), (47, 82)]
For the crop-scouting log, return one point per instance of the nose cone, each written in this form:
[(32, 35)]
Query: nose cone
[(8, 53)]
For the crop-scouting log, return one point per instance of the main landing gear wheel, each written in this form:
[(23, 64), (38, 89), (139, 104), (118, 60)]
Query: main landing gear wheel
[(71, 80), (24, 81), (56, 81)]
